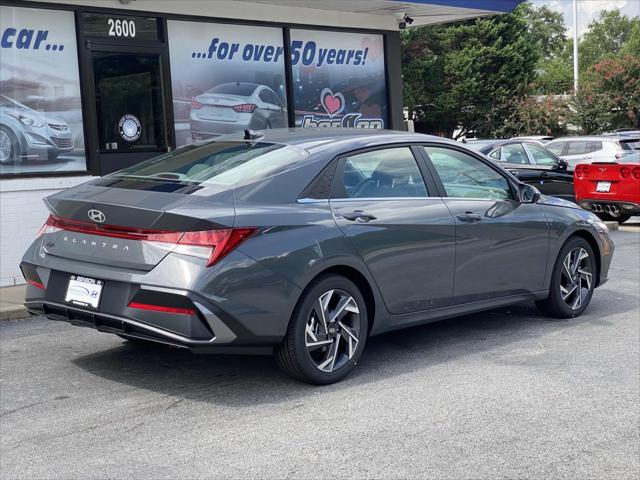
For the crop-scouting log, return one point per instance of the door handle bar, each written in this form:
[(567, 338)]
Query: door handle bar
[(358, 216)]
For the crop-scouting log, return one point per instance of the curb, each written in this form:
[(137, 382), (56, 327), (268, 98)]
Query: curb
[(14, 314)]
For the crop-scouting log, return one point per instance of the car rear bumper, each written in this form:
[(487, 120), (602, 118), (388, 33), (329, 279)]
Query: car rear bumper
[(610, 206), (196, 322)]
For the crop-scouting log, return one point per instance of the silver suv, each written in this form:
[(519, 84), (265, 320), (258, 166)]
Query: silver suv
[(604, 148)]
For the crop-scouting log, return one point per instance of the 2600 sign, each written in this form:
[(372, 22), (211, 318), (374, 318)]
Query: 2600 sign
[(121, 28)]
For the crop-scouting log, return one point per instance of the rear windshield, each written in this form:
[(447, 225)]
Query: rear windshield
[(631, 144), (220, 163), (244, 89), (478, 144)]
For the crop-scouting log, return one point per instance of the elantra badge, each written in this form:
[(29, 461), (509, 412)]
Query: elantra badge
[(96, 216)]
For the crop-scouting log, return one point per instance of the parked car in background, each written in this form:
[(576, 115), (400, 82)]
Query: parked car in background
[(538, 138), (531, 163), (234, 107), (26, 134), (603, 148), (305, 243), (610, 190)]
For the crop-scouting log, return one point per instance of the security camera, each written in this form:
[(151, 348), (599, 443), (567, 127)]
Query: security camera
[(407, 19), (402, 24), (403, 21)]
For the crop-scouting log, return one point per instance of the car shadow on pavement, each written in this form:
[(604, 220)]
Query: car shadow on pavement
[(245, 381)]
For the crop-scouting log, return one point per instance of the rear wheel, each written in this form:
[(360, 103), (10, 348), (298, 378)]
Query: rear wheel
[(573, 280), (327, 333)]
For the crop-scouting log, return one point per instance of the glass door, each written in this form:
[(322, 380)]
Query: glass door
[(129, 102)]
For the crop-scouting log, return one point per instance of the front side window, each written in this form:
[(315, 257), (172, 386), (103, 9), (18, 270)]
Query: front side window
[(388, 173), (514, 154), (556, 147), (541, 156), (464, 176)]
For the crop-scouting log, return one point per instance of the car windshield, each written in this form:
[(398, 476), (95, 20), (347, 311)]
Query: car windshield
[(631, 144), (634, 157), (220, 163), (244, 89)]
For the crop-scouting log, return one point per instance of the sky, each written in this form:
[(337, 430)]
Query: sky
[(589, 10)]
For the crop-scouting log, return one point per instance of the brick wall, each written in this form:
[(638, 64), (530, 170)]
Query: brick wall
[(22, 213)]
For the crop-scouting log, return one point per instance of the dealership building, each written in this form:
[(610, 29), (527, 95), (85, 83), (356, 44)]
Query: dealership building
[(88, 87)]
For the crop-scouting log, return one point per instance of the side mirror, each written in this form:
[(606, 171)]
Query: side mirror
[(528, 193), (562, 164)]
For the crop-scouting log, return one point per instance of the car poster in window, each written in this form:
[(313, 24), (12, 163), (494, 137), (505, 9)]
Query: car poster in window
[(40, 108), (225, 79), (338, 79)]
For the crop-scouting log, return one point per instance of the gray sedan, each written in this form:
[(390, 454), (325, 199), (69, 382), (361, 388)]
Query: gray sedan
[(306, 243)]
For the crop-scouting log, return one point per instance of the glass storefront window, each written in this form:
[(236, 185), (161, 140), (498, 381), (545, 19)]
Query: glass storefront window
[(41, 128), (225, 78), (338, 79)]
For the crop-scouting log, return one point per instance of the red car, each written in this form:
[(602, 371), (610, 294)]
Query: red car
[(610, 190)]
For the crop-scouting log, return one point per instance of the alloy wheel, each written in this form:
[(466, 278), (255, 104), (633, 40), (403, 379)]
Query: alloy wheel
[(332, 330), (5, 146), (576, 278)]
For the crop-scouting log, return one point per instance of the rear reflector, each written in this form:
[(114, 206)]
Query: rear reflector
[(162, 308), (36, 284), (209, 244)]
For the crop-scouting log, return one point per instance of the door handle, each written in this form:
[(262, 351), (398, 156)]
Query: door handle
[(358, 216), (514, 172), (470, 217), (545, 175)]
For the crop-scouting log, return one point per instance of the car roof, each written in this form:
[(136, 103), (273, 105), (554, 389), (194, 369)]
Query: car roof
[(321, 138), (592, 138)]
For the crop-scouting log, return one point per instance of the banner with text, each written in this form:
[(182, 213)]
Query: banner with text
[(225, 78), (40, 108), (338, 79)]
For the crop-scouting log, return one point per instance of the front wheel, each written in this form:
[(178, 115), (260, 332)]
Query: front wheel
[(327, 332), (9, 146), (573, 280)]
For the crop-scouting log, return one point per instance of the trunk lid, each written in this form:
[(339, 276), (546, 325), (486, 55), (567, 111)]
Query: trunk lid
[(122, 214)]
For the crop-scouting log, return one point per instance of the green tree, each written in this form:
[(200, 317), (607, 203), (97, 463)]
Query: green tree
[(532, 116), (546, 28), (605, 38), (465, 75)]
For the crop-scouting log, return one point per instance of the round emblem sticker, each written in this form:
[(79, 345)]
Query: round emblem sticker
[(129, 128)]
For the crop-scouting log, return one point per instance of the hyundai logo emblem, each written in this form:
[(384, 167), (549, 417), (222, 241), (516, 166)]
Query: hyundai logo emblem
[(96, 216)]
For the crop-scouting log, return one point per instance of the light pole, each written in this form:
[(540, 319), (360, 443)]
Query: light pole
[(575, 47)]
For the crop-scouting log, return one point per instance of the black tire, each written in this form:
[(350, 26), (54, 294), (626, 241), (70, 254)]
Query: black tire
[(16, 150), (292, 355), (555, 305)]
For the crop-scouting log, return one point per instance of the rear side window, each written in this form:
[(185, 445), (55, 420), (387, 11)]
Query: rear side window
[(595, 146), (387, 173), (221, 163), (514, 154), (579, 148), (464, 176)]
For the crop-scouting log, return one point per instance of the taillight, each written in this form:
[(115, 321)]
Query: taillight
[(212, 244), (636, 173), (36, 284), (582, 171), (244, 108), (209, 244), (625, 172), (195, 104)]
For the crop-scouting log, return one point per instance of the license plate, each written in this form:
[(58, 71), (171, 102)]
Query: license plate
[(84, 291), (603, 187)]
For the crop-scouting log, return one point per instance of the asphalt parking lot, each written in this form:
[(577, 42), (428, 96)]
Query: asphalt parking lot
[(506, 393)]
